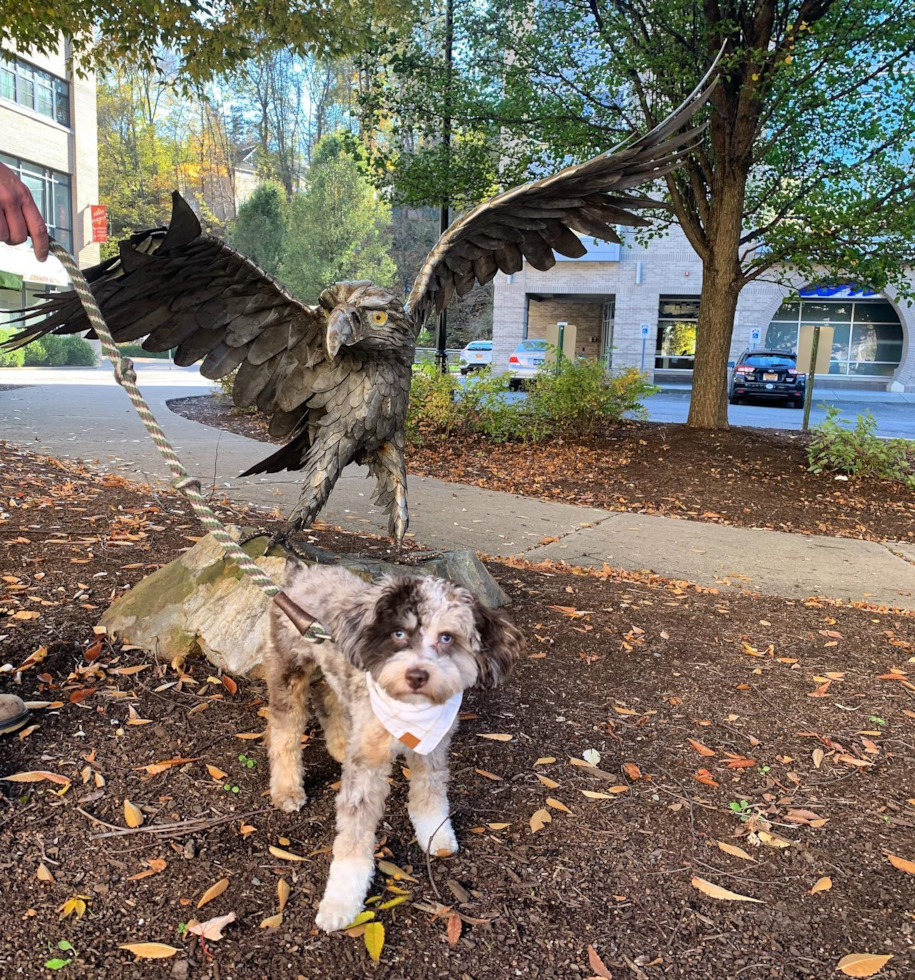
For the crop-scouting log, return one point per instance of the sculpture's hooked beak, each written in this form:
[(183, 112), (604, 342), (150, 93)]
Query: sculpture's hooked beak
[(340, 330)]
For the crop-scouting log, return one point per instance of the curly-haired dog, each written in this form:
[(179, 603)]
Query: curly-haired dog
[(403, 652)]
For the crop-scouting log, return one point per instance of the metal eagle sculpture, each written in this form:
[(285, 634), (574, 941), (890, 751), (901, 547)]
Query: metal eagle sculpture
[(335, 378)]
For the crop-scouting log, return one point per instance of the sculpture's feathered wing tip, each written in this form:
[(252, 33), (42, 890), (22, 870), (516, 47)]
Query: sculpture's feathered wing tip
[(532, 221)]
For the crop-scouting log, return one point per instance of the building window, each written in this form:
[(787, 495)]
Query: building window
[(51, 191), (676, 346), (37, 90), (867, 334)]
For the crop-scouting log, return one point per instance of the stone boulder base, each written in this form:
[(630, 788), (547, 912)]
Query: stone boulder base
[(202, 603)]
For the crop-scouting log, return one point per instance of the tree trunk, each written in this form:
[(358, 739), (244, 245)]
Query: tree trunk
[(721, 283)]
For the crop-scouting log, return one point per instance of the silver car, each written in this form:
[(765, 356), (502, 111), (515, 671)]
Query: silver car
[(524, 362)]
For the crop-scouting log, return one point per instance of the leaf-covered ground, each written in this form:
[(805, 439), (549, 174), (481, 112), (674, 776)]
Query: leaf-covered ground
[(745, 477), (664, 756)]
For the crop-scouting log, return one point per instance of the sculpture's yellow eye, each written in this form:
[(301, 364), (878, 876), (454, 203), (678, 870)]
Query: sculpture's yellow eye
[(379, 317)]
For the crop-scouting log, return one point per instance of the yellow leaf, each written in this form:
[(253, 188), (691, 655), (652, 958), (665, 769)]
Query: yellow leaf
[(392, 902), (497, 738), (272, 921), (902, 864), (539, 820), (862, 964), (156, 865), (734, 851), (818, 756), (374, 940), (398, 874), (24, 734), (44, 874), (716, 891), (246, 829), (250, 735), (823, 885), (37, 776), (150, 951), (216, 773), (557, 805), (772, 840), (545, 760), (282, 891), (133, 815), (76, 904), (278, 852), (549, 783), (498, 826), (592, 795), (361, 918), (214, 891), (488, 775)]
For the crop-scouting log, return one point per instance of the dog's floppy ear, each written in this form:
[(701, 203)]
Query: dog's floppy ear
[(362, 630), (501, 645)]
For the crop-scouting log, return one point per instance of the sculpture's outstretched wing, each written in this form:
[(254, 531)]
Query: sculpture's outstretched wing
[(534, 220), (180, 288)]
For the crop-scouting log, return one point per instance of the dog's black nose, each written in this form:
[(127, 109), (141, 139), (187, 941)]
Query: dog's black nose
[(416, 677)]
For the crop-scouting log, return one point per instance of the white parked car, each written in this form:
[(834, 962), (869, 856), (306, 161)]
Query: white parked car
[(477, 354), (524, 362)]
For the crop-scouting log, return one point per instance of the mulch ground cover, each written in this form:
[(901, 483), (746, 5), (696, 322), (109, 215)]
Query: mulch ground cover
[(695, 785), (745, 477)]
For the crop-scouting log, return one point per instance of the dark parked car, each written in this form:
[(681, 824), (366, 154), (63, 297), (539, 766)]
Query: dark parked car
[(764, 373)]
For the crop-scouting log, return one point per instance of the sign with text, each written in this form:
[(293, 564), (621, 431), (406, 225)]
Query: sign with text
[(99, 222)]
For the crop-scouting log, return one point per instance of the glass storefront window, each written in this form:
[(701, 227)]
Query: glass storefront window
[(867, 334), (676, 343)]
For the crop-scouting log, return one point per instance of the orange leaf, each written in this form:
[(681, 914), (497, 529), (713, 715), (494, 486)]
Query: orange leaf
[(700, 748), (454, 928), (36, 776), (632, 771), (704, 776), (597, 964), (229, 684), (823, 885), (716, 891), (820, 692), (214, 891), (133, 815), (862, 964), (902, 864)]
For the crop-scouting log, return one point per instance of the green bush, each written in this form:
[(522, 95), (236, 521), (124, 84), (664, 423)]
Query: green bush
[(578, 398), (860, 452), (135, 350), (572, 399), (12, 358)]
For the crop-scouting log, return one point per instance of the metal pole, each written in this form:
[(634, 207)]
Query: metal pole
[(644, 342), (561, 339), (441, 352), (808, 392)]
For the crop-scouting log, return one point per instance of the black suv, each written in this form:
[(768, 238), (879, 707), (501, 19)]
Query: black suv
[(764, 373)]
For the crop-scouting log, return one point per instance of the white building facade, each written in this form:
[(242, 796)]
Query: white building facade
[(636, 305), (48, 136)]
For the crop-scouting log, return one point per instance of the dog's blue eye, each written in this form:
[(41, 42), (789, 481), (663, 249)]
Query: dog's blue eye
[(445, 638), (399, 634)]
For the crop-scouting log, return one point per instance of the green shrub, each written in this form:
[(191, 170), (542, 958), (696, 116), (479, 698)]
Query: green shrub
[(50, 351), (568, 399), (578, 398), (860, 452), (135, 350), (12, 358), (440, 404)]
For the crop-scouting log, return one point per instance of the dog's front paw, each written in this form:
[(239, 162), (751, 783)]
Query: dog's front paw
[(289, 800), (335, 913), (435, 837)]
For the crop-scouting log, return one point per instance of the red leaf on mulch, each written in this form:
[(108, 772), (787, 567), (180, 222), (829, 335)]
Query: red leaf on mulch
[(82, 694)]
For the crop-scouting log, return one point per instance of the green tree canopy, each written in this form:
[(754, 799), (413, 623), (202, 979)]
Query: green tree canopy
[(806, 171), (208, 38), (259, 230), (338, 226)]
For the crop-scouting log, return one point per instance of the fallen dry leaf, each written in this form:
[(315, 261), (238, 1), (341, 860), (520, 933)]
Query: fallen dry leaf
[(217, 773), (398, 874), (272, 921), (823, 885), (735, 851), (557, 805), (549, 783), (593, 795), (597, 965), (700, 748), (488, 775), (545, 760), (282, 892), (716, 891), (902, 864), (278, 852), (212, 928), (454, 929), (133, 815), (539, 820), (862, 964), (155, 866), (497, 737), (150, 951), (43, 873), (37, 776), (214, 891), (632, 771)]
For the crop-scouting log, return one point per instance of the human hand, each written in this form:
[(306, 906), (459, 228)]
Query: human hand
[(19, 215)]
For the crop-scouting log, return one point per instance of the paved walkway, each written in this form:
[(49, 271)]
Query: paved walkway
[(85, 414)]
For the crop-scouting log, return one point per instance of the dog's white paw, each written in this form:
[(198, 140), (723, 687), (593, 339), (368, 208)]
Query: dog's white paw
[(334, 914), (435, 837), (289, 800)]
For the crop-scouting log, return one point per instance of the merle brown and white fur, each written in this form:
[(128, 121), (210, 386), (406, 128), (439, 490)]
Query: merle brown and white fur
[(422, 640)]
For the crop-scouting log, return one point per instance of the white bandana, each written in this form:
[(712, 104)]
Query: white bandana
[(419, 726)]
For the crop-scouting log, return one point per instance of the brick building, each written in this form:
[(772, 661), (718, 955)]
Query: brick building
[(621, 297), (48, 136)]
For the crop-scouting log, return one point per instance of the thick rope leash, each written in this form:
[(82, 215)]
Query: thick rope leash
[(126, 377)]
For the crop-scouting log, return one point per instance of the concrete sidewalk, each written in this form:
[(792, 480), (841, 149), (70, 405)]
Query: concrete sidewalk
[(95, 422)]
